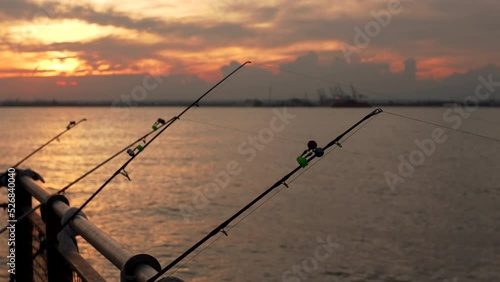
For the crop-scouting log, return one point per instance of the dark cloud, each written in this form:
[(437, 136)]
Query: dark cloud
[(451, 27), (303, 75), (459, 30), (27, 11), (17, 10), (119, 54), (156, 25)]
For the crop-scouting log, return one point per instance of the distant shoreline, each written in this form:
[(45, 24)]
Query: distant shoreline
[(236, 104)]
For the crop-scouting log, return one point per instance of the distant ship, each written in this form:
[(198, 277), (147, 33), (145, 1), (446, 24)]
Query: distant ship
[(342, 100)]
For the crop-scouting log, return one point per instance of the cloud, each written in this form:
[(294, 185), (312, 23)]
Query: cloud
[(17, 10), (303, 75), (107, 50), (427, 39), (462, 23)]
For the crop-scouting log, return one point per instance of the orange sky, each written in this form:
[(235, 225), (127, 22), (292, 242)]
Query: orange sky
[(73, 38)]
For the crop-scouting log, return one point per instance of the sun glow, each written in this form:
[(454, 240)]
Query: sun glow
[(59, 65), (438, 68)]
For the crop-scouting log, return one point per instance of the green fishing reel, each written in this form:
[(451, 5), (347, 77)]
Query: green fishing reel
[(302, 161), (157, 123), (312, 148), (137, 149), (70, 125)]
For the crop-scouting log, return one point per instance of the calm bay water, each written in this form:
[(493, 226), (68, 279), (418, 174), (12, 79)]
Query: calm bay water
[(442, 223)]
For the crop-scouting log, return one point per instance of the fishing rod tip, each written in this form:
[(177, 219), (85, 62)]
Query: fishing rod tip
[(248, 62)]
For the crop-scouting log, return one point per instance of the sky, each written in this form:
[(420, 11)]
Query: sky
[(104, 50)]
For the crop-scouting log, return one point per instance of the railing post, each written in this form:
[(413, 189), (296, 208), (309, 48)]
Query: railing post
[(57, 267), (23, 236), (138, 267)]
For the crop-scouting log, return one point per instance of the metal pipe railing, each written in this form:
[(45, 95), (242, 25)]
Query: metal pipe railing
[(107, 246)]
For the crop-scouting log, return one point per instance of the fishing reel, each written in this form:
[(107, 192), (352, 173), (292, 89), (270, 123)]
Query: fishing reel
[(132, 153), (70, 125), (157, 123), (312, 149), (137, 149)]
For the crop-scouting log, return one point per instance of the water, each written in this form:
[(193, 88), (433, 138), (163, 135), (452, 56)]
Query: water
[(441, 224)]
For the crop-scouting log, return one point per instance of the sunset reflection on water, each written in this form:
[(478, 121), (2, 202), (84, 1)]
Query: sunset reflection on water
[(405, 235)]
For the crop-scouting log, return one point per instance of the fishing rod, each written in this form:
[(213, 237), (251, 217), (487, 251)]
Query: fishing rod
[(136, 151), (304, 159), (157, 125), (68, 127)]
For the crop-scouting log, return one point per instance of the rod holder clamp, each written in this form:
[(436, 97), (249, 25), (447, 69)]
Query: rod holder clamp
[(66, 237), (127, 273), (47, 204)]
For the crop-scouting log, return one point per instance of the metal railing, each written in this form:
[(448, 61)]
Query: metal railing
[(38, 255)]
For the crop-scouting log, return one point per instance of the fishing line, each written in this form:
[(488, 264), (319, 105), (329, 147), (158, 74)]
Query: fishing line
[(154, 146), (272, 65), (138, 163), (137, 151), (242, 130), (195, 255), (307, 156), (157, 144), (444, 126), (68, 127), (333, 149), (160, 123), (485, 120), (265, 201), (326, 80), (284, 139), (297, 176), (157, 125)]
